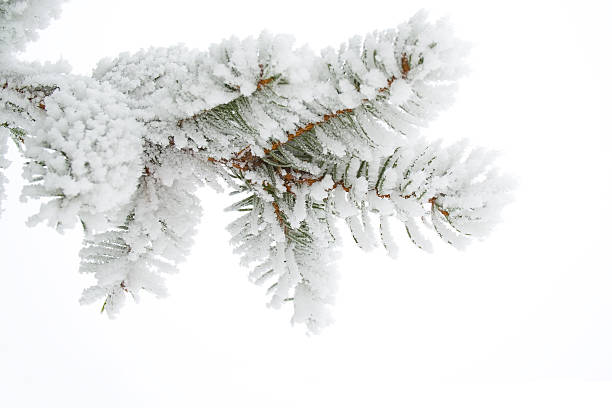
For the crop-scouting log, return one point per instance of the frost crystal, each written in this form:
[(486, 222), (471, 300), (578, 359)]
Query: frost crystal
[(20, 18), (304, 139), (84, 154)]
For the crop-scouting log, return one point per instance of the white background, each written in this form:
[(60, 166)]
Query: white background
[(523, 319)]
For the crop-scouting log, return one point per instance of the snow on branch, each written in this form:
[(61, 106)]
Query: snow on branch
[(306, 139)]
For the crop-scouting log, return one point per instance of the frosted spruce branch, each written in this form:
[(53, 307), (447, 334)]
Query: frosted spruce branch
[(304, 139)]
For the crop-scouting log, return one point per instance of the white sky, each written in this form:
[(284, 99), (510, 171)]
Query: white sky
[(522, 319)]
